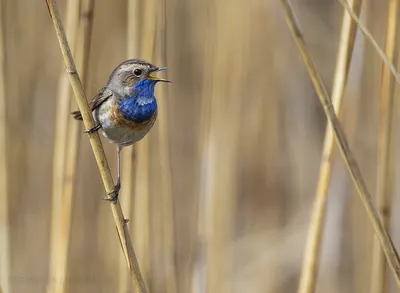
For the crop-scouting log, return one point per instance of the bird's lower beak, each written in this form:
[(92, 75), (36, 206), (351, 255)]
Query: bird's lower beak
[(156, 78)]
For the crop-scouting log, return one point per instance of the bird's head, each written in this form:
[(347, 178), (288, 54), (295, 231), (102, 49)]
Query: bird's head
[(125, 76)]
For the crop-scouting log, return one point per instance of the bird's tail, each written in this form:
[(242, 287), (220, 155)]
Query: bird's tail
[(77, 115)]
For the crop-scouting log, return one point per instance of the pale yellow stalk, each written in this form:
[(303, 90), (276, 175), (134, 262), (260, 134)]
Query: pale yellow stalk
[(308, 278), (141, 206), (97, 148), (166, 197), (60, 145), (219, 150), (128, 156), (351, 163), (62, 220), (4, 229), (385, 169), (371, 39)]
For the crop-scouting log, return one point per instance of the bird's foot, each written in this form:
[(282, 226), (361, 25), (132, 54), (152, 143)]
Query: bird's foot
[(93, 129), (114, 193)]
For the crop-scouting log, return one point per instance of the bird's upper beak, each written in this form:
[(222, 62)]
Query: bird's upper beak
[(156, 78)]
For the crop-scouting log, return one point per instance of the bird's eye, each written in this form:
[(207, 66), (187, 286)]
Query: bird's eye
[(137, 72)]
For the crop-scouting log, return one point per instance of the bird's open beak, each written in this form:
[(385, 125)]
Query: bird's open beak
[(156, 78)]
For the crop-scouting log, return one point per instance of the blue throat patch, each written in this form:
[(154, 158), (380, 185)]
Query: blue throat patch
[(141, 106)]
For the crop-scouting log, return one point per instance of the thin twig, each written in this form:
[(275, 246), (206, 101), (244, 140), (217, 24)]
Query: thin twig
[(384, 172), (97, 147), (370, 38), (313, 246), (351, 163), (4, 230)]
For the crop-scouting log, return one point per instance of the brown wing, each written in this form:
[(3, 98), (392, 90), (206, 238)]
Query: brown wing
[(99, 99)]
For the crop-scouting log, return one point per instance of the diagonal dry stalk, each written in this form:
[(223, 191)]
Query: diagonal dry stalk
[(4, 230), (384, 170), (314, 238), (97, 148), (351, 163), (371, 39), (62, 217)]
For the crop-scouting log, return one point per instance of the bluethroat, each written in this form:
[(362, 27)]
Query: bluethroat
[(125, 109)]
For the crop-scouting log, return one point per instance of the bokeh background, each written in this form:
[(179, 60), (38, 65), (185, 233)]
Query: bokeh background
[(223, 190)]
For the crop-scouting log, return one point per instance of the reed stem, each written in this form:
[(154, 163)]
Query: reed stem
[(97, 148), (57, 252), (371, 39), (4, 192), (384, 170), (308, 276), (351, 163), (63, 220), (166, 200), (129, 155)]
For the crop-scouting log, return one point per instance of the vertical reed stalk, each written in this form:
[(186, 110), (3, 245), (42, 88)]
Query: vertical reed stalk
[(384, 170), (166, 198), (62, 224), (60, 144), (221, 99), (199, 277), (128, 164), (351, 163), (313, 246), (4, 230), (97, 148), (141, 213)]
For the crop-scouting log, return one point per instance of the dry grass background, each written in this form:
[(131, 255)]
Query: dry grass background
[(232, 164)]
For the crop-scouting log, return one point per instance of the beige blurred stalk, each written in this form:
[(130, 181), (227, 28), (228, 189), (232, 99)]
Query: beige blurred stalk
[(4, 224), (351, 163), (218, 150), (60, 144), (141, 202), (371, 39), (97, 148), (81, 14), (128, 164), (385, 169), (308, 278), (165, 198)]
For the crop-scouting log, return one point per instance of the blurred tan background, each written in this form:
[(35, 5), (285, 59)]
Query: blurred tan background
[(245, 132)]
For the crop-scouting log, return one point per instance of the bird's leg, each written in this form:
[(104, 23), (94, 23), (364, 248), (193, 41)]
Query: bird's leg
[(117, 187), (93, 129)]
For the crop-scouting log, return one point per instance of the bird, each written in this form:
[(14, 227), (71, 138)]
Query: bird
[(125, 109)]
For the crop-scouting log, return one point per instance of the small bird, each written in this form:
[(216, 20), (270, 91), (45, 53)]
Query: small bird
[(125, 109)]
